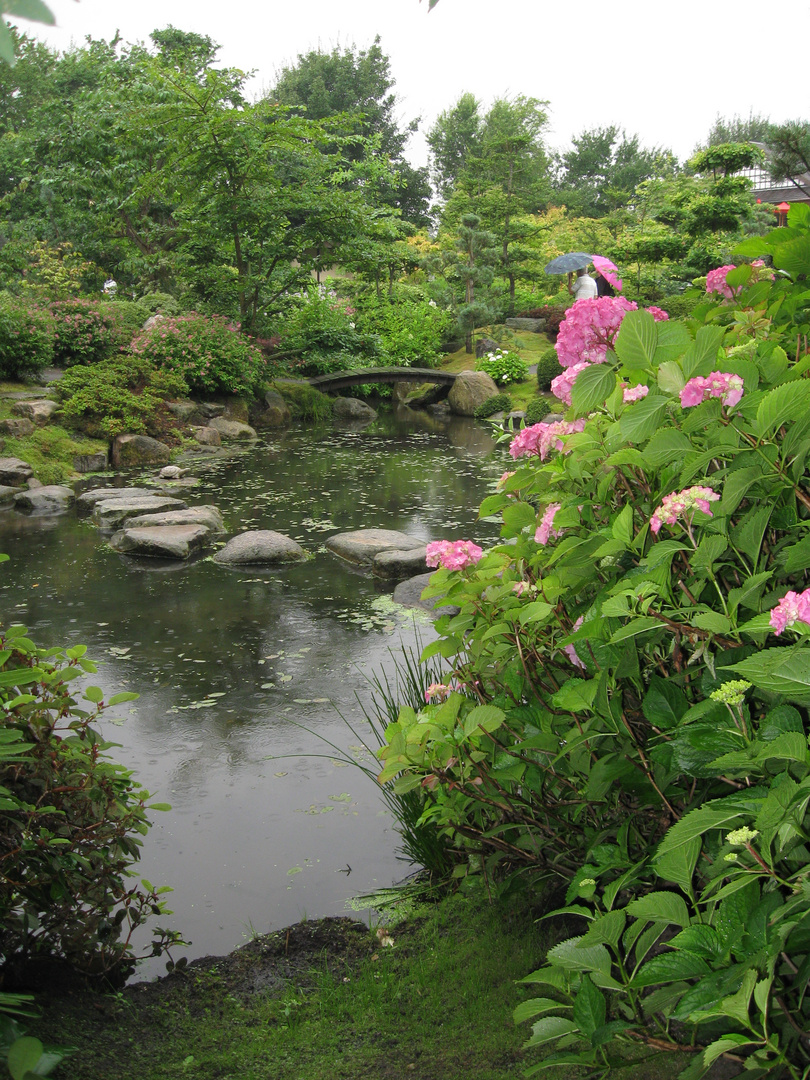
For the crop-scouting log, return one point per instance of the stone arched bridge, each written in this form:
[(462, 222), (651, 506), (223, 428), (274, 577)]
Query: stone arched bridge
[(343, 379)]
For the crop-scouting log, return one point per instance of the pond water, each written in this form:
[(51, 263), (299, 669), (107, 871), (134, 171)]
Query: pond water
[(233, 665)]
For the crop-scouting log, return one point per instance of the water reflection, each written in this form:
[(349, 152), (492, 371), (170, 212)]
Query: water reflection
[(231, 663)]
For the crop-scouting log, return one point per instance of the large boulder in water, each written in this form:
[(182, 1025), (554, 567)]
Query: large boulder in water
[(133, 451), (260, 547), (232, 429), (409, 594), (471, 389), (363, 545), (350, 408), (48, 499), (161, 541), (396, 564)]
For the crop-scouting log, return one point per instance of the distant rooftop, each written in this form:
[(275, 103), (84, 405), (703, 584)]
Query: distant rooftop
[(767, 190)]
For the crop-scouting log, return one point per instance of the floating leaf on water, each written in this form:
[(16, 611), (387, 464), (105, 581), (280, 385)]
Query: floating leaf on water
[(268, 686), (294, 870), (301, 701), (321, 701), (280, 774), (343, 797), (284, 678), (340, 764)]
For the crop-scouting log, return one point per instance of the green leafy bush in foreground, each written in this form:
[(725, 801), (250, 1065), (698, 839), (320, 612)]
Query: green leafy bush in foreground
[(71, 823), (625, 710)]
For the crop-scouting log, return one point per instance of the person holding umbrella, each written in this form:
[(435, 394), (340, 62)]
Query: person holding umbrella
[(584, 287)]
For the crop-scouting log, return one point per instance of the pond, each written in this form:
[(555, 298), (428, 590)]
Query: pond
[(232, 666)]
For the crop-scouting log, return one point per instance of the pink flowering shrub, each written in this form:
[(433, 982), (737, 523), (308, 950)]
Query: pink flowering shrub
[(26, 338), (561, 385), (452, 555), (209, 352), (719, 384), (716, 281), (589, 329), (793, 607), (679, 504), (86, 331), (632, 717), (541, 439)]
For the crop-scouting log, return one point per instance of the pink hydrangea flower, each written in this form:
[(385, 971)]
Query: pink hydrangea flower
[(541, 439), (716, 281), (520, 587), (437, 690), (452, 555), (793, 607), (720, 384), (634, 393), (680, 503), (571, 652), (562, 384), (546, 527), (657, 313), (589, 329)]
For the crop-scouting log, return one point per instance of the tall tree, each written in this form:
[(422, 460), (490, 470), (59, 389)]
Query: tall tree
[(454, 138), (359, 86), (604, 167)]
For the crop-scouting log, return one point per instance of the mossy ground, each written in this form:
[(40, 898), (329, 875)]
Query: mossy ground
[(326, 1000), (49, 450)]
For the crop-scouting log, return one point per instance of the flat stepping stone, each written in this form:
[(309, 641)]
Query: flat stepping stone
[(409, 594), (209, 516), (399, 564), (260, 547), (48, 499), (111, 514), (162, 541), (88, 499), (361, 546), (14, 472)]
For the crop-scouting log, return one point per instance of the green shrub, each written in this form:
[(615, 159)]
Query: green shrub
[(323, 337), (86, 331), (411, 331), (536, 410), (158, 303), (503, 367), (122, 395), (71, 823), (306, 403), (548, 368), (209, 353), (26, 338), (679, 307), (130, 316), (497, 403)]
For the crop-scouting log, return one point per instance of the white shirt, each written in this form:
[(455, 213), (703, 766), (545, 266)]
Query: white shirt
[(584, 288)]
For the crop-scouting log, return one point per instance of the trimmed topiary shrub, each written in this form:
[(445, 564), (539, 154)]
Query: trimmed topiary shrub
[(158, 303), (497, 403), (537, 410), (123, 395), (548, 368), (26, 338), (208, 352)]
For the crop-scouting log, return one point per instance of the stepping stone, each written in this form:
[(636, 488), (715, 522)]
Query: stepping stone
[(361, 546), (260, 547), (109, 515), (409, 594), (209, 516), (46, 499), (88, 499), (399, 564), (161, 541)]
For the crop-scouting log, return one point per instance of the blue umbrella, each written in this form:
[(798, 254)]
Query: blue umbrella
[(565, 264)]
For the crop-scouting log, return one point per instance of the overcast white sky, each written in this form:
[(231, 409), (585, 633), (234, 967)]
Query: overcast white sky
[(661, 70)]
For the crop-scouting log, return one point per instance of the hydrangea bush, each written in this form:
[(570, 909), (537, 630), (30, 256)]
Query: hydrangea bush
[(631, 674)]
